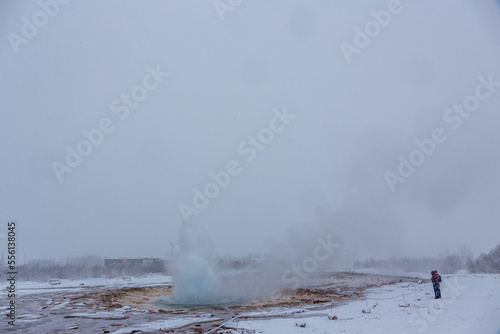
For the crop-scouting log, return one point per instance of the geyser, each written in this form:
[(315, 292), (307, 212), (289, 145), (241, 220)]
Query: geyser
[(195, 282), (198, 284)]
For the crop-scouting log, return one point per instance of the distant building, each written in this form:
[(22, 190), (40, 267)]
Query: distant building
[(145, 264)]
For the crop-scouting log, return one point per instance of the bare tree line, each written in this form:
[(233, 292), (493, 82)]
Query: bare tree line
[(446, 264), (92, 266)]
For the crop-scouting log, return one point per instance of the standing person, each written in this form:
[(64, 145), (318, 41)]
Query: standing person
[(435, 283)]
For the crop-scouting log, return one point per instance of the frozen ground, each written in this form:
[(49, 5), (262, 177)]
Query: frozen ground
[(470, 304), (29, 288), (394, 304)]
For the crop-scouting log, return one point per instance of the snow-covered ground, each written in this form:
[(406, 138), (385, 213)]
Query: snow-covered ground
[(164, 324), (470, 304), (32, 287)]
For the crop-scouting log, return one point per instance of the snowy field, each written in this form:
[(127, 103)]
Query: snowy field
[(470, 304), (29, 288)]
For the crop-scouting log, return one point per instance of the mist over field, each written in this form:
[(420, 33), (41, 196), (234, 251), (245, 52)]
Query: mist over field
[(267, 124)]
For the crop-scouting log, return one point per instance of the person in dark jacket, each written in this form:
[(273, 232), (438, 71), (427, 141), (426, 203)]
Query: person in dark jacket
[(435, 283)]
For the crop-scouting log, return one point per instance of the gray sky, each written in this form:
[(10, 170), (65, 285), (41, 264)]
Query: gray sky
[(321, 172)]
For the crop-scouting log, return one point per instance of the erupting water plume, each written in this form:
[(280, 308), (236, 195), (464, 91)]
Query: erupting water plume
[(195, 281), (198, 282)]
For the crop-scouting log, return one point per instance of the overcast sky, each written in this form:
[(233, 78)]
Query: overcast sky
[(306, 115)]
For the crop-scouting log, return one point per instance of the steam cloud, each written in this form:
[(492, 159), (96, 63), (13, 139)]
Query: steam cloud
[(195, 281)]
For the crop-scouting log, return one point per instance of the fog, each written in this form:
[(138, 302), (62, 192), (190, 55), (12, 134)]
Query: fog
[(267, 124)]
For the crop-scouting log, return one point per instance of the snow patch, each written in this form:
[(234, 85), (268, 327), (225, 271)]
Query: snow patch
[(165, 324)]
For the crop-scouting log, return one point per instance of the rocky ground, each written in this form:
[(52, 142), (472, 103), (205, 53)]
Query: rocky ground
[(99, 309)]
